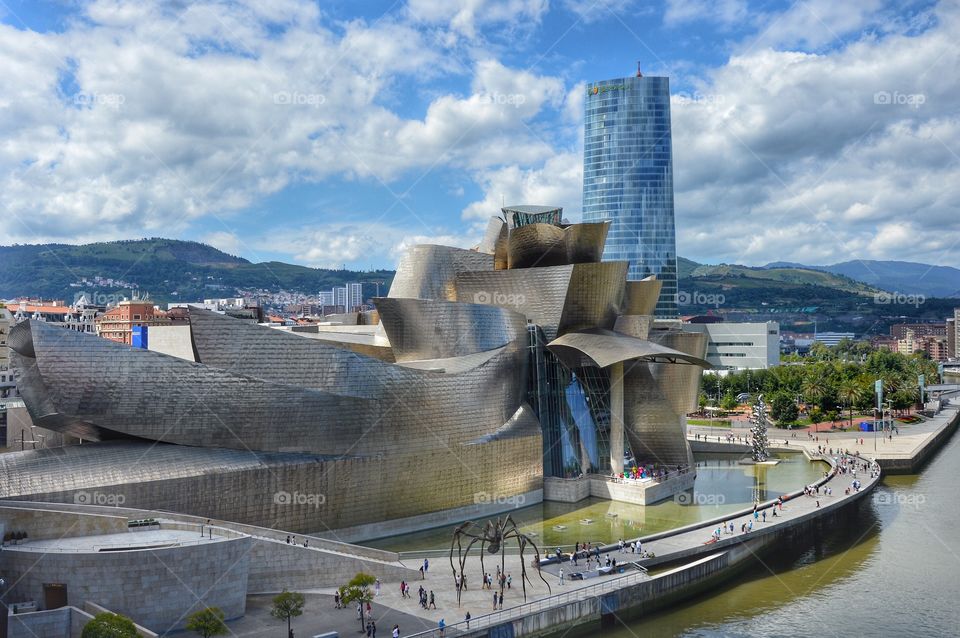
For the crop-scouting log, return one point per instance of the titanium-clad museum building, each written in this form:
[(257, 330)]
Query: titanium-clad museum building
[(490, 369)]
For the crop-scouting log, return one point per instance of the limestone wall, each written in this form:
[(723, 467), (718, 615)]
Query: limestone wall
[(157, 588)]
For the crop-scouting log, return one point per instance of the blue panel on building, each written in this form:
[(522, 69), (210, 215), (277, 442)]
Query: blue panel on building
[(139, 337)]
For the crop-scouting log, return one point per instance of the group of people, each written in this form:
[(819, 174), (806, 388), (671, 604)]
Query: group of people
[(642, 472), (292, 540), (503, 579)]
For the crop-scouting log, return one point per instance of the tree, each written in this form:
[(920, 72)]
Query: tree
[(109, 625), (850, 391), (207, 622), (729, 402), (358, 590), (816, 414), (287, 605), (783, 409)]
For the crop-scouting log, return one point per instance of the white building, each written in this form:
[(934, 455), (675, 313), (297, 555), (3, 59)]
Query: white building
[(832, 338), (740, 346)]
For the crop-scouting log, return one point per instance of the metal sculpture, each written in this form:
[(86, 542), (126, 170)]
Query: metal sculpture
[(759, 431), (493, 538)]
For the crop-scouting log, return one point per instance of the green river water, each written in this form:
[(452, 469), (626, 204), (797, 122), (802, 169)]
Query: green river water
[(891, 569)]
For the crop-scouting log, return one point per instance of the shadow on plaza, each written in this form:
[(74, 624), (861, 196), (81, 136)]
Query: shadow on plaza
[(320, 616)]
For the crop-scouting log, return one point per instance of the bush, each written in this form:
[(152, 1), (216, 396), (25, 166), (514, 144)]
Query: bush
[(108, 625)]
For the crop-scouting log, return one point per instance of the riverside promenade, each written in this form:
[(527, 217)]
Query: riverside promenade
[(683, 560), (903, 453)]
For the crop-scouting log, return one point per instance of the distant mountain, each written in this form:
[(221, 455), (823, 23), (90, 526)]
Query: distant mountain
[(167, 269), (905, 277), (746, 276)]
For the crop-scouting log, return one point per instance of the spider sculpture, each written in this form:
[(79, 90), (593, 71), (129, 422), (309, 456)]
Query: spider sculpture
[(493, 538)]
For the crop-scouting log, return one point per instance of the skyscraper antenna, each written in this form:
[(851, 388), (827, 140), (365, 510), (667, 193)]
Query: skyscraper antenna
[(639, 74)]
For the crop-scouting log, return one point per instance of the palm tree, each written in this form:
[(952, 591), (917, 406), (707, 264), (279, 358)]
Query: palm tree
[(849, 390)]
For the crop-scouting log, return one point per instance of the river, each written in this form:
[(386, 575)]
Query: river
[(892, 570)]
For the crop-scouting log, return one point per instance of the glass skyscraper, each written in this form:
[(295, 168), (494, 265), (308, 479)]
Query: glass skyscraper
[(628, 177)]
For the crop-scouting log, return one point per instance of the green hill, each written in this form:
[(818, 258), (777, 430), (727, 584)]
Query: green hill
[(168, 269)]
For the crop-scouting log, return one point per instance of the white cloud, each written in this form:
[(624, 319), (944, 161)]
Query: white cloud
[(558, 182), (146, 116), (725, 12), (823, 157), (466, 16), (362, 245)]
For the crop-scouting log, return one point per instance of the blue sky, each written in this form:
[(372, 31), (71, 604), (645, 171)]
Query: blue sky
[(338, 133)]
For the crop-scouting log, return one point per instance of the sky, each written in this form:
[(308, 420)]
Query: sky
[(338, 133)]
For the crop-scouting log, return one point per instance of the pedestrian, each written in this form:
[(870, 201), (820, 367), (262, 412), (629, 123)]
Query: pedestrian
[(421, 572), (376, 587), (509, 580), (764, 516), (426, 565), (336, 600), (561, 575), (433, 603), (467, 618), (442, 625), (501, 601), (369, 630), (373, 624), (494, 601), (396, 631), (288, 539)]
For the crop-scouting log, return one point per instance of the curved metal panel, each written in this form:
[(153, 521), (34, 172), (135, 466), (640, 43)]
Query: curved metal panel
[(558, 298), (683, 383), (432, 329), (427, 271), (602, 348), (496, 229), (655, 430), (540, 245), (642, 296)]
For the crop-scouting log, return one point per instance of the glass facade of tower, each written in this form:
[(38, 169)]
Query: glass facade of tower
[(628, 178)]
